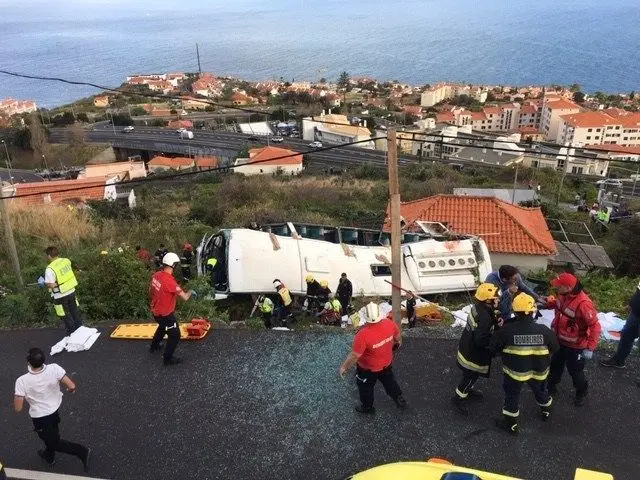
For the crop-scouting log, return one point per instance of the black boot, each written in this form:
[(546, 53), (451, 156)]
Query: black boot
[(400, 402), (545, 413), (508, 424), (361, 409), (460, 404), (474, 394)]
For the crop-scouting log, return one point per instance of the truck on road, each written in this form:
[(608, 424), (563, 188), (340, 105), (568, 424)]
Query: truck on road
[(186, 134)]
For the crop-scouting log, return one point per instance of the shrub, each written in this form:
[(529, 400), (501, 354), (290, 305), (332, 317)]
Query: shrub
[(114, 286)]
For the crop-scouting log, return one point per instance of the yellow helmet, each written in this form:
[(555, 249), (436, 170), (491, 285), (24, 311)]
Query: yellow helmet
[(524, 303), (487, 291), (324, 284), (309, 279)]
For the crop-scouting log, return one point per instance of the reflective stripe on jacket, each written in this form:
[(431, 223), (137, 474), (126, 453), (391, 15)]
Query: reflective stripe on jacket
[(472, 349), (526, 348), (266, 306), (285, 296), (576, 321), (65, 278)]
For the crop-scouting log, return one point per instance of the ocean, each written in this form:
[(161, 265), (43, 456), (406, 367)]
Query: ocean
[(591, 42)]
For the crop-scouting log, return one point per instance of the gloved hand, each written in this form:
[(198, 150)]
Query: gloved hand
[(41, 281), (587, 354), (193, 293)]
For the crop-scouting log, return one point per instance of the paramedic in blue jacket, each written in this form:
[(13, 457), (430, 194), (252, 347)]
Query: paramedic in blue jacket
[(509, 280)]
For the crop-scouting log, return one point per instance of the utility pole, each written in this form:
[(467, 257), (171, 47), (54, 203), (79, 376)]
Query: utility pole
[(8, 162), (394, 218), (515, 185), (11, 243), (635, 179), (198, 55)]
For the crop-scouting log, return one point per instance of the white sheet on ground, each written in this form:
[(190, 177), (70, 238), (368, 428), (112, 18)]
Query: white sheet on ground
[(79, 341), (610, 322)]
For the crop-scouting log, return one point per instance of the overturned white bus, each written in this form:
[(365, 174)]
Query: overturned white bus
[(434, 260)]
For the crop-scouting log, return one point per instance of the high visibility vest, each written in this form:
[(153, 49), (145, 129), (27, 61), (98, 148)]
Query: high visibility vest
[(65, 278), (266, 306), (211, 263), (285, 296), (337, 306)]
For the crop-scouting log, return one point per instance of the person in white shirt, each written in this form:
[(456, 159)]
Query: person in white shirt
[(40, 387)]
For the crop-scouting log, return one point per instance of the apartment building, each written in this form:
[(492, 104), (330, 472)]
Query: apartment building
[(442, 91), (607, 127), (10, 106), (553, 108), (503, 118)]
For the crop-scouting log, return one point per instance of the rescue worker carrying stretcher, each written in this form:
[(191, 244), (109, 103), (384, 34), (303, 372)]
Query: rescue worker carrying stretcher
[(474, 358), (526, 348)]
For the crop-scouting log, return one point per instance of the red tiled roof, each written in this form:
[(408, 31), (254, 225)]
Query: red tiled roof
[(207, 162), (492, 110), (180, 124), (52, 192), (504, 227), (478, 116), (615, 149), (445, 117), (589, 119), (528, 109), (176, 162), (270, 156), (561, 104)]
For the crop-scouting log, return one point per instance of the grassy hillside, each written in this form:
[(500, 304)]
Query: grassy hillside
[(114, 286)]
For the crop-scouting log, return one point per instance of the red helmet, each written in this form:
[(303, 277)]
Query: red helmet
[(188, 247)]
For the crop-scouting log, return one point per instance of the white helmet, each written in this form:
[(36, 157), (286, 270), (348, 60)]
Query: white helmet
[(170, 259), (373, 313)]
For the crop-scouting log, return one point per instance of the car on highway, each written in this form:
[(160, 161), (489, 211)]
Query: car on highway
[(315, 144), (277, 139), (180, 130), (610, 182), (128, 129)]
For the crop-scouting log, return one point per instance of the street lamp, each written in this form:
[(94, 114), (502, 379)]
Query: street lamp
[(8, 161)]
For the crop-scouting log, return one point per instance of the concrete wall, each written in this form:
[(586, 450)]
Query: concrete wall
[(268, 169), (524, 263)]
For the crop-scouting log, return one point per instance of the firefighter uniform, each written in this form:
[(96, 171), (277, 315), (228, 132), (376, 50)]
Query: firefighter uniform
[(3, 475), (284, 311), (474, 358), (526, 348), (185, 261)]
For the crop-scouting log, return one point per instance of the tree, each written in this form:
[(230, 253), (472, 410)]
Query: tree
[(343, 80), (39, 143), (323, 80), (82, 117), (578, 97), (575, 87), (135, 111), (78, 135), (22, 138), (632, 95), (65, 118), (227, 92), (122, 119)]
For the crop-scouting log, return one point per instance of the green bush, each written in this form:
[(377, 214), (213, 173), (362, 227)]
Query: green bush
[(31, 307), (114, 286)]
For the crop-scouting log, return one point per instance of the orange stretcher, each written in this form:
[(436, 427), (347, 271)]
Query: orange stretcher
[(197, 329)]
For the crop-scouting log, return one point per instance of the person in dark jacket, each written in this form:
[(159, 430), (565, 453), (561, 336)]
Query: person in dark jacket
[(510, 282), (325, 291), (186, 260), (473, 355), (630, 332), (159, 255), (526, 348), (312, 302), (411, 309), (344, 292)]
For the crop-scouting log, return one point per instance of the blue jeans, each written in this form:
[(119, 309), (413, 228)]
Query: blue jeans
[(630, 332)]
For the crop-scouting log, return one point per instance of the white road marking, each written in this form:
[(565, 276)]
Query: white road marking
[(33, 475)]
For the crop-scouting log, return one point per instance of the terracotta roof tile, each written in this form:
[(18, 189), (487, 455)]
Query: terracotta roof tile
[(504, 227), (561, 104), (492, 110), (270, 156), (207, 162), (445, 117), (175, 162), (589, 119)]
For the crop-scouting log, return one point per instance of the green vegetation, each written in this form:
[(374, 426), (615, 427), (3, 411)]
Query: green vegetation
[(114, 286)]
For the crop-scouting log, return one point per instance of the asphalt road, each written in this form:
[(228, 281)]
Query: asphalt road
[(343, 156), (19, 175), (270, 405)]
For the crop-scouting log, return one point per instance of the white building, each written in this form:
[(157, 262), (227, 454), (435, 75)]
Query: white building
[(443, 91), (336, 129), (270, 160), (552, 109)]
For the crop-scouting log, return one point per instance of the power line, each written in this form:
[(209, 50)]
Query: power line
[(186, 174), (259, 112)]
